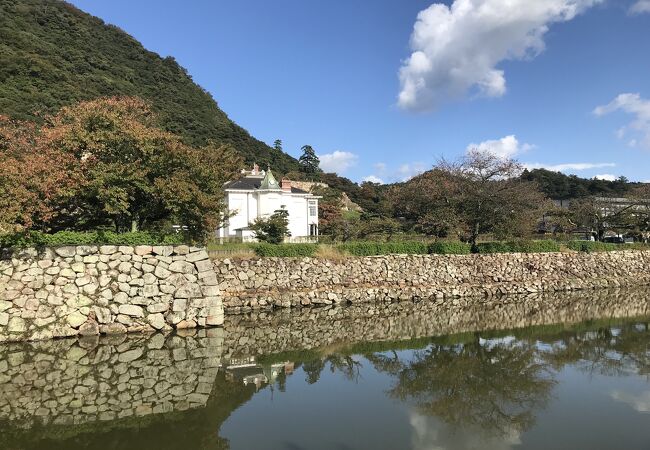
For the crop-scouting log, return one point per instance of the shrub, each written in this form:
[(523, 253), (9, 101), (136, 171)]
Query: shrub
[(594, 246), (383, 248), (450, 248), (38, 239), (285, 250), (518, 247)]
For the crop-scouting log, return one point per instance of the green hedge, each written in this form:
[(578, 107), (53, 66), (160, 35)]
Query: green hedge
[(595, 246), (450, 248), (38, 239), (383, 248), (518, 247), (285, 250)]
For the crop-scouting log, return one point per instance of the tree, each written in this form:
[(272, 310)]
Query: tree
[(378, 225), (479, 194), (490, 196), (309, 162), (106, 164), (272, 229), (277, 145), (425, 203), (36, 181)]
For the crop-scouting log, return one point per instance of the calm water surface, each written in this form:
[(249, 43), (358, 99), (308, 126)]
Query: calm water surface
[(406, 376)]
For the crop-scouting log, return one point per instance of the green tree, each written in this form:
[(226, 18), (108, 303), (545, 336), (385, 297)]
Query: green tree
[(272, 229), (277, 145), (132, 174), (309, 162)]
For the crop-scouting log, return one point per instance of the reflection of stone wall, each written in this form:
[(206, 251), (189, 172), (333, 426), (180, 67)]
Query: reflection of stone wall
[(96, 379), (261, 283), (284, 330), (71, 382), (88, 289)]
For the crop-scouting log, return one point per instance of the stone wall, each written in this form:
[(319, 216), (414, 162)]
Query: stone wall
[(89, 290), (289, 282)]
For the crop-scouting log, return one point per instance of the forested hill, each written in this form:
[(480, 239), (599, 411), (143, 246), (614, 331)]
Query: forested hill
[(559, 186), (52, 54)]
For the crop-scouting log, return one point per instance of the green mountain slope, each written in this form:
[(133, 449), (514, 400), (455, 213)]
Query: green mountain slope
[(52, 54)]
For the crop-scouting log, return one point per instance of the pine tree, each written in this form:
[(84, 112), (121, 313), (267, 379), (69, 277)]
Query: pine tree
[(309, 162)]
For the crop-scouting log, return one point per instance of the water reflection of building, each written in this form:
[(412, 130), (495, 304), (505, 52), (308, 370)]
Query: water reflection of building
[(249, 372)]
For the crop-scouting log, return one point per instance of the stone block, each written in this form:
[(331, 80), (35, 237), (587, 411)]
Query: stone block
[(181, 267), (142, 250), (181, 250), (163, 250), (197, 256), (180, 304), (189, 290), (204, 266), (131, 310), (108, 249), (125, 249), (156, 320), (75, 319), (83, 250), (161, 272), (113, 328), (66, 252), (210, 291), (158, 307)]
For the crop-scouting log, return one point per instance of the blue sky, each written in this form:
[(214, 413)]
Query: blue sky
[(383, 88)]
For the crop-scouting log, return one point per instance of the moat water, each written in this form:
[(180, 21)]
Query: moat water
[(568, 371)]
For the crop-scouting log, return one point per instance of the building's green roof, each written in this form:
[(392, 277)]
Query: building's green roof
[(269, 181)]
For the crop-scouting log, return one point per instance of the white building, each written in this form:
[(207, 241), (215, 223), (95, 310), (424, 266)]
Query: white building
[(258, 195)]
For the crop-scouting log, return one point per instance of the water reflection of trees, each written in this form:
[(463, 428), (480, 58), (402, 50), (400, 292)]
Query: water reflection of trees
[(615, 351), (493, 385), (338, 362)]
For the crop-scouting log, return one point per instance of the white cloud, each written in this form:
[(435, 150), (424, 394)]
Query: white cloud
[(373, 179), (640, 7), (639, 402), (456, 49), (606, 177), (404, 172), (568, 166), (337, 161), (407, 171), (639, 108), (506, 147)]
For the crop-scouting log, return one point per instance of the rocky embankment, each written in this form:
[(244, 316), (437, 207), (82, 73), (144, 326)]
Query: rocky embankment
[(290, 282), (109, 289)]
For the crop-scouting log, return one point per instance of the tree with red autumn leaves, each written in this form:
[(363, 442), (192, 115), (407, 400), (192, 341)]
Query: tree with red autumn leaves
[(105, 163)]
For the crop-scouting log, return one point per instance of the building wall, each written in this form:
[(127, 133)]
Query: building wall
[(251, 205)]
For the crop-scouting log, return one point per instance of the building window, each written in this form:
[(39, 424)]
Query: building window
[(313, 208)]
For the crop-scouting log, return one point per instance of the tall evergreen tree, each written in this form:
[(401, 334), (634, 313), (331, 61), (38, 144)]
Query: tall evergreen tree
[(277, 145), (309, 162)]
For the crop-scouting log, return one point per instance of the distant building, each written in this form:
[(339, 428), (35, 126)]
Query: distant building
[(257, 194)]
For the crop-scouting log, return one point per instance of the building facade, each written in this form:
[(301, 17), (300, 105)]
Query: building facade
[(257, 194)]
